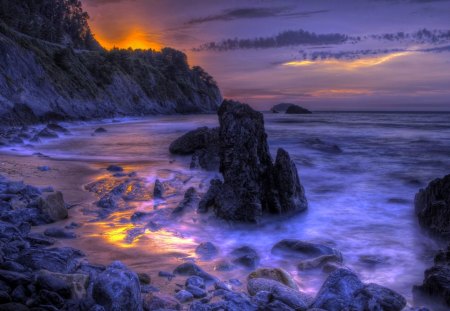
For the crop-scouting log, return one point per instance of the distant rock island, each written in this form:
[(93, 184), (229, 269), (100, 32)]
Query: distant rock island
[(54, 69), (289, 109)]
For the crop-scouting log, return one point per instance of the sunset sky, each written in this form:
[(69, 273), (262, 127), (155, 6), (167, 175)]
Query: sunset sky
[(324, 55)]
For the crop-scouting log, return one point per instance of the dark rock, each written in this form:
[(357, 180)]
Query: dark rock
[(13, 306), (49, 282), (57, 128), (294, 109), (280, 107), (307, 251), (47, 133), (338, 291), (195, 281), (144, 278), (206, 250), (14, 278), (100, 130), (189, 269), (12, 266), (160, 302), (114, 168), (39, 239), (164, 274), (249, 187), (117, 288), (197, 292), (292, 298), (245, 256), (206, 158), (318, 262), (158, 190), (276, 274), (4, 298), (184, 296), (43, 168), (194, 140), (320, 145), (376, 297), (262, 298), (237, 301), (59, 233), (8, 231), (62, 260), (291, 193), (436, 284), (210, 196), (52, 205), (189, 200), (46, 297), (224, 265), (432, 206), (277, 305)]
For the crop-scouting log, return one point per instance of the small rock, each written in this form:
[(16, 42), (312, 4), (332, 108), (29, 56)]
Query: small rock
[(245, 256), (206, 250), (197, 292), (114, 168), (184, 296), (276, 274), (59, 233), (47, 133), (100, 130), (159, 302), (52, 205), (167, 275), (189, 269), (144, 278), (43, 168), (195, 281), (158, 190)]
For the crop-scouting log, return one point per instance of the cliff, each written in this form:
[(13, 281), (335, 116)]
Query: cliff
[(57, 71)]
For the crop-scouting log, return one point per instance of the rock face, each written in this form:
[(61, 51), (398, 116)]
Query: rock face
[(52, 205), (59, 80), (252, 184), (432, 206), (436, 284)]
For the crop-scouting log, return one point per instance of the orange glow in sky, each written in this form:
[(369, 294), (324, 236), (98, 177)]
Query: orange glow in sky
[(350, 64), (134, 38)]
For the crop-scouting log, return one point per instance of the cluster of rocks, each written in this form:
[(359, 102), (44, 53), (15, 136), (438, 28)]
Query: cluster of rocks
[(25, 134), (432, 206), (289, 109), (252, 183)]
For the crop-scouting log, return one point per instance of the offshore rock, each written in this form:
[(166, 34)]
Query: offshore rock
[(252, 184), (432, 206)]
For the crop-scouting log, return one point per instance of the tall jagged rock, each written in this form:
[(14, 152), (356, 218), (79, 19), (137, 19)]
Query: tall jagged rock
[(432, 206), (252, 184)]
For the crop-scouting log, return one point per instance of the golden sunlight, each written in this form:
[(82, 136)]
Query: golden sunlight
[(134, 38), (351, 64)]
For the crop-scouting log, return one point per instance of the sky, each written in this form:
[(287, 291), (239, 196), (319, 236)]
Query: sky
[(321, 54)]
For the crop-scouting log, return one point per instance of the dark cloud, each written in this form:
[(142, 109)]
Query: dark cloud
[(346, 55), (285, 38), (422, 36), (248, 13)]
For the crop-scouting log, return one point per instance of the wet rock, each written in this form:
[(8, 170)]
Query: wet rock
[(206, 158), (46, 133), (157, 301), (215, 187), (189, 269), (117, 288), (190, 199), (4, 297), (292, 298), (52, 205), (14, 278), (49, 298), (436, 284), (236, 301), (376, 297), (249, 187), (9, 231), (291, 194), (114, 168), (12, 266), (245, 256), (312, 254), (318, 262), (224, 265), (37, 239), (276, 274), (338, 291), (62, 260), (195, 281), (144, 278), (184, 296), (59, 233), (75, 283), (158, 190), (277, 305), (14, 306), (164, 274), (197, 292), (43, 168), (194, 140), (100, 130), (57, 128), (432, 206), (320, 145), (206, 250), (373, 260)]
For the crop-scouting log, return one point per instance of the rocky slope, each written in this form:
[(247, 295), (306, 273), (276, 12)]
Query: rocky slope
[(68, 76)]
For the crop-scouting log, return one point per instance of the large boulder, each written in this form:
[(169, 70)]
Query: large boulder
[(276, 274), (252, 185), (52, 205), (343, 290), (194, 140), (432, 206), (117, 288), (436, 284)]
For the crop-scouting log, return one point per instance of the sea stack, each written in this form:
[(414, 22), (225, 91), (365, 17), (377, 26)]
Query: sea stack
[(252, 185)]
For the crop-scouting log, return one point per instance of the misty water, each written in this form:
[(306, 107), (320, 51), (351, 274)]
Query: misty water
[(360, 172)]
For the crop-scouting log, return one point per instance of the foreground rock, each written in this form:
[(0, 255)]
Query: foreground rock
[(432, 206), (252, 184), (344, 291), (436, 285), (276, 274), (292, 108)]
